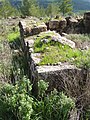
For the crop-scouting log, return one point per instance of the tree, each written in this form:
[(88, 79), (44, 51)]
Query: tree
[(6, 9), (26, 7), (65, 6), (52, 9)]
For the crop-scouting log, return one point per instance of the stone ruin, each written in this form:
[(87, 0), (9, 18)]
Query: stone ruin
[(71, 24), (58, 75), (87, 22)]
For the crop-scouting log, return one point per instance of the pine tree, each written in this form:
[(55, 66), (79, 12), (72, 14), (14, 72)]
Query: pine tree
[(26, 7), (65, 6), (52, 9), (7, 10)]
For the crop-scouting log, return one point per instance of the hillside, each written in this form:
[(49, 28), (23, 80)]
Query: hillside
[(81, 5), (77, 4)]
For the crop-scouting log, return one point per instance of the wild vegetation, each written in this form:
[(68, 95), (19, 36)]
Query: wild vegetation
[(54, 52), (17, 98)]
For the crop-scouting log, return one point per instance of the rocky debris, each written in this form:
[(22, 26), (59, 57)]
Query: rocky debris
[(71, 21), (64, 34), (87, 22), (36, 57), (44, 40), (83, 45), (30, 41), (33, 26), (71, 24), (63, 40), (54, 36), (68, 42)]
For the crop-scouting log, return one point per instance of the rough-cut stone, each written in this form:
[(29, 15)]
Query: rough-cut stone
[(68, 42), (54, 24), (57, 25), (87, 22), (36, 57), (38, 29), (33, 26), (63, 40), (71, 21), (64, 34), (57, 75), (54, 36), (62, 25), (71, 24), (30, 41)]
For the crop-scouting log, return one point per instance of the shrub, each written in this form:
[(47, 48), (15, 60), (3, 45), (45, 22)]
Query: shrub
[(54, 106), (16, 103)]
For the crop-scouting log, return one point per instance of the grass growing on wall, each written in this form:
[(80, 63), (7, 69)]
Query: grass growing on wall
[(54, 52)]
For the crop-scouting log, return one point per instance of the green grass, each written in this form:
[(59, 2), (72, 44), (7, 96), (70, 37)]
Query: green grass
[(54, 52), (79, 37), (13, 36)]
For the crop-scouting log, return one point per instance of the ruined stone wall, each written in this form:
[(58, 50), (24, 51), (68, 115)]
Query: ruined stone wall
[(87, 22)]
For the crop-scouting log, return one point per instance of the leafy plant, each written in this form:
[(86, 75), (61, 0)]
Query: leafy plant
[(53, 107), (15, 101)]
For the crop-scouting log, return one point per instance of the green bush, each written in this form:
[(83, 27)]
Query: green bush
[(53, 107), (16, 103)]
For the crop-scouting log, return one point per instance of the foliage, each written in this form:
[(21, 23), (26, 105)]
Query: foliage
[(14, 40), (52, 9), (87, 113), (7, 10), (79, 37), (54, 106), (42, 87), (5, 61), (16, 102), (29, 7), (65, 6)]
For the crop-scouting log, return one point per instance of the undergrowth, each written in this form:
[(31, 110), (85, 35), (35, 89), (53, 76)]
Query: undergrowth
[(13, 36), (17, 103), (79, 37)]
